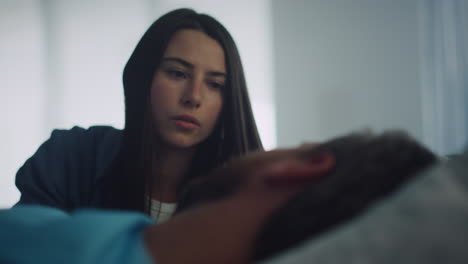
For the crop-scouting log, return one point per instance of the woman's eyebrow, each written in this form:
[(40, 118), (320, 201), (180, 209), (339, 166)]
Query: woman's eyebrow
[(191, 66), (178, 60)]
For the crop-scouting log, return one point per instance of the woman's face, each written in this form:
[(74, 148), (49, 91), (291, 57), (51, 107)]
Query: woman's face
[(186, 91)]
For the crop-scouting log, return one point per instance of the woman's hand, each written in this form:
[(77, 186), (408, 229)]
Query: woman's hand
[(224, 230)]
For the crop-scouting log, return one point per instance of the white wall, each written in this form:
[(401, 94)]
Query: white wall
[(343, 65), (87, 45), (61, 65), (22, 90)]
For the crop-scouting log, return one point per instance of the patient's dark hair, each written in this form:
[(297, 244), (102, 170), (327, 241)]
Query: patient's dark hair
[(368, 169)]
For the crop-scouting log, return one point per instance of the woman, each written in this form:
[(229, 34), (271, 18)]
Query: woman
[(187, 111)]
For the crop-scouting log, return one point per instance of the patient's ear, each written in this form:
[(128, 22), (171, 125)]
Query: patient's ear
[(289, 172)]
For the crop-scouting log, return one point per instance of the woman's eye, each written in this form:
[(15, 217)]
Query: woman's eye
[(176, 74), (216, 85)]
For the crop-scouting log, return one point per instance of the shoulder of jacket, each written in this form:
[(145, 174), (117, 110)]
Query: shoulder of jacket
[(93, 131)]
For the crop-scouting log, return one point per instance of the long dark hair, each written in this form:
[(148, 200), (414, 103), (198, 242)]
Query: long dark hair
[(131, 173)]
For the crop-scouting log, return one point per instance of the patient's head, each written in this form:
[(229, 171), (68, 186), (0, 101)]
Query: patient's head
[(364, 169)]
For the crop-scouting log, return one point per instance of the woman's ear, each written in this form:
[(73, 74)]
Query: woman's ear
[(290, 172)]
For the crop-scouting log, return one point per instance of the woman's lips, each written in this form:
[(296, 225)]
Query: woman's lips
[(186, 122)]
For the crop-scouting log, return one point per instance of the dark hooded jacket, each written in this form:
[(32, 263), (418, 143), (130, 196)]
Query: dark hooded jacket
[(65, 170)]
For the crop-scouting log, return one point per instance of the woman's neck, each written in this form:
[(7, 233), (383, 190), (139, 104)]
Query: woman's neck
[(169, 169)]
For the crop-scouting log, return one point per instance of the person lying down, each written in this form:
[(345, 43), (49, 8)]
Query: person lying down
[(250, 210), (367, 169)]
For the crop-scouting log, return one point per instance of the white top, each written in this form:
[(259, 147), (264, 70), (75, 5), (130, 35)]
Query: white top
[(161, 211)]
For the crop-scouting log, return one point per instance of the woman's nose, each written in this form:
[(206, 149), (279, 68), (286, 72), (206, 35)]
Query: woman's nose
[(192, 96)]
